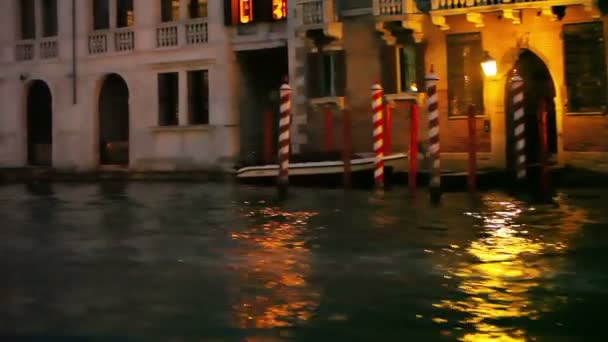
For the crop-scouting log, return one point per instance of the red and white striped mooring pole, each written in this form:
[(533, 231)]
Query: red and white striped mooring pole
[(377, 108), (517, 90), (433, 113), (284, 135)]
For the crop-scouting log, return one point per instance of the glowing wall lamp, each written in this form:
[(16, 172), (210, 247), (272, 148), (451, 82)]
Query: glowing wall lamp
[(488, 64)]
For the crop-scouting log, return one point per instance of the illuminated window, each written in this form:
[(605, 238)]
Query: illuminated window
[(124, 13), (197, 8), (465, 78), (246, 11), (406, 64), (169, 10), (279, 9)]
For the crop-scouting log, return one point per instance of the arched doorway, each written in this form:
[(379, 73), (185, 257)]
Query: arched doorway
[(538, 88), (39, 124), (114, 121)]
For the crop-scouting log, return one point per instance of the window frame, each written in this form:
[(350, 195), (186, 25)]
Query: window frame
[(476, 65), (102, 18), (602, 109), (27, 32), (174, 15), (120, 16), (399, 70), (192, 103), (50, 18), (165, 117)]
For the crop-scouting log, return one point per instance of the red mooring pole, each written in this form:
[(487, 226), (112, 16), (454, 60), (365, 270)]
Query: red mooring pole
[(268, 137), (329, 129), (544, 149), (284, 137), (413, 155), (472, 175), (377, 109), (346, 146), (388, 128)]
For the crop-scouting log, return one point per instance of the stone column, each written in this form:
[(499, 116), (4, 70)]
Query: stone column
[(182, 93), (147, 17), (296, 50)]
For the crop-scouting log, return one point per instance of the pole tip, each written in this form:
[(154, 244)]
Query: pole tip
[(431, 76), (515, 77)]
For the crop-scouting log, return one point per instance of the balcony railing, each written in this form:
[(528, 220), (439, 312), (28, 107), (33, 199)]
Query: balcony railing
[(456, 4), (24, 50), (124, 40), (166, 35), (114, 40), (98, 43), (195, 31), (48, 48), (391, 7), (316, 12)]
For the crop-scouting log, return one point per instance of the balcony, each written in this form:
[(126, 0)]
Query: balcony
[(175, 34), (120, 40), (511, 9), (318, 19), (398, 17), (33, 49)]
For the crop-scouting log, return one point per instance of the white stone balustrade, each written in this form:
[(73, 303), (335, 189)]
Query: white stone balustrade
[(166, 35), (48, 48), (392, 7), (197, 31), (24, 50)]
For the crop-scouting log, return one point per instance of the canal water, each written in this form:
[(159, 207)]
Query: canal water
[(220, 262)]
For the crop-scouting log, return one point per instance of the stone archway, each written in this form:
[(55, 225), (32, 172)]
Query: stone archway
[(39, 124), (539, 87), (114, 121)]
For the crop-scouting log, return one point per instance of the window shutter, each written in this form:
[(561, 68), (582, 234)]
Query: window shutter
[(340, 58), (313, 73), (420, 66), (388, 64)]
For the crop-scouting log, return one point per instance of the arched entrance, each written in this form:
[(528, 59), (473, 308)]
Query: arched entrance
[(114, 121), (39, 124), (538, 88)]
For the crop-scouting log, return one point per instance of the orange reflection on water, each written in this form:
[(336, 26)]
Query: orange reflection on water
[(498, 284), (277, 261)]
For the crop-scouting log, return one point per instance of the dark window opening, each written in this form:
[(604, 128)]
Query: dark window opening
[(197, 9), (124, 13), (198, 97), (585, 67), (406, 57), (465, 80), (28, 19), (326, 74), (49, 18), (168, 98), (169, 10), (101, 14)]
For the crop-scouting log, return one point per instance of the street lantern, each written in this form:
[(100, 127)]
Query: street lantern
[(488, 64)]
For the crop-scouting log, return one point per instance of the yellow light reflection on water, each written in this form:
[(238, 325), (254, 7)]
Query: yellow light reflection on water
[(498, 285), (278, 260)]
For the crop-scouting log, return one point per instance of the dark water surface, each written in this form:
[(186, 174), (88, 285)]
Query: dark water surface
[(218, 262)]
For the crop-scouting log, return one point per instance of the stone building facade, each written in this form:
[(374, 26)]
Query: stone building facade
[(179, 85)]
